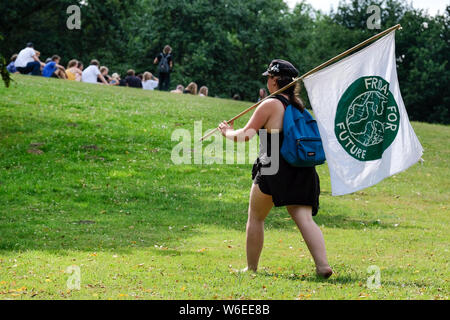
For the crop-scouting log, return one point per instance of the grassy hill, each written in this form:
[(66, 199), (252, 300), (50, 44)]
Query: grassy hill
[(86, 179)]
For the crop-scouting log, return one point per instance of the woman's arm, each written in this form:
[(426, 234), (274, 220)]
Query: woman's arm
[(36, 58), (256, 122), (102, 79)]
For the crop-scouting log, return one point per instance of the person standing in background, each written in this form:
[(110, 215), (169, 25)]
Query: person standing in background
[(165, 66)]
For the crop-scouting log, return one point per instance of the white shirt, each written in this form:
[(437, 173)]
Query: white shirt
[(149, 84), (24, 57), (90, 74)]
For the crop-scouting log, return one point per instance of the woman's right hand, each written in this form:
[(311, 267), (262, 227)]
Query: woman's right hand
[(224, 127)]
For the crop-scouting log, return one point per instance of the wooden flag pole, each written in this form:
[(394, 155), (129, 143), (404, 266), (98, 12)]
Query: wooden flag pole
[(323, 65)]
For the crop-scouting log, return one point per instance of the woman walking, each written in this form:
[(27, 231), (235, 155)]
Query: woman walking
[(295, 188)]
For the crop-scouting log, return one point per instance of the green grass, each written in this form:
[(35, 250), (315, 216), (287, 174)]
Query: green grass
[(104, 195)]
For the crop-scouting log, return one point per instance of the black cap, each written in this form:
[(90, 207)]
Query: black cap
[(280, 67), (30, 45)]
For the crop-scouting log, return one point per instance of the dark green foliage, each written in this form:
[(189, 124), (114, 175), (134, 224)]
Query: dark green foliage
[(5, 74), (227, 44), (422, 49), (102, 35), (424, 71)]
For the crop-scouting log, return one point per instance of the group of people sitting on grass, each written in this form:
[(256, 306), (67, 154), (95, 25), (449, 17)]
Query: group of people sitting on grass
[(27, 62), (191, 88)]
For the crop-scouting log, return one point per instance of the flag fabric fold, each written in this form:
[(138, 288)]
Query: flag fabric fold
[(362, 118)]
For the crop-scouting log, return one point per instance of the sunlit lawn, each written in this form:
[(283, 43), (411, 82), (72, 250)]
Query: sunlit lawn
[(86, 180)]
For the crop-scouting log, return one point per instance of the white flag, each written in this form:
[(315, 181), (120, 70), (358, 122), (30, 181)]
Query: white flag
[(362, 119)]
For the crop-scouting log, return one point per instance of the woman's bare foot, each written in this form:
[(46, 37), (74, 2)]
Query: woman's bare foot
[(324, 272), (245, 270)]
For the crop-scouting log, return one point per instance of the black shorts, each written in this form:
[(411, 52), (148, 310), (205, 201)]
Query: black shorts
[(290, 185)]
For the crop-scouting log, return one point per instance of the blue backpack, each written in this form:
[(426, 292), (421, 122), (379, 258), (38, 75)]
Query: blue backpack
[(302, 145)]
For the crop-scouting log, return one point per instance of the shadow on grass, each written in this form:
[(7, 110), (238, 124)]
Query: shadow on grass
[(47, 206), (345, 279), (121, 220), (122, 216)]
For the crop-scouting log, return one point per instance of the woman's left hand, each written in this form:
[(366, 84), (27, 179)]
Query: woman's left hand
[(224, 127)]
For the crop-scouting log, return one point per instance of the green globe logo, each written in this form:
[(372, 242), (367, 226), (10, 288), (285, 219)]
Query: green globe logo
[(367, 118)]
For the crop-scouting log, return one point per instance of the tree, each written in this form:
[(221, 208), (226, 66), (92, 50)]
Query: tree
[(423, 66), (422, 48), (224, 44), (227, 44), (44, 23)]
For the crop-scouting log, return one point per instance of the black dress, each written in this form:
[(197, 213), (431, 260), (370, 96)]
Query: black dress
[(290, 185)]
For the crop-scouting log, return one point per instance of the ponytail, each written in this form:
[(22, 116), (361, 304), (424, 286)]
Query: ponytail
[(293, 92)]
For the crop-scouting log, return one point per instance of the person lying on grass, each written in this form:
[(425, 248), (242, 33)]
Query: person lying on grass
[(296, 188)]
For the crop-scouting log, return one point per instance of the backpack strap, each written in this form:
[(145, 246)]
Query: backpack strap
[(283, 100)]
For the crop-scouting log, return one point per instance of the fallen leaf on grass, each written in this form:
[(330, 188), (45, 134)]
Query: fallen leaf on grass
[(90, 147), (89, 157), (35, 151), (36, 144), (364, 295), (85, 222)]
